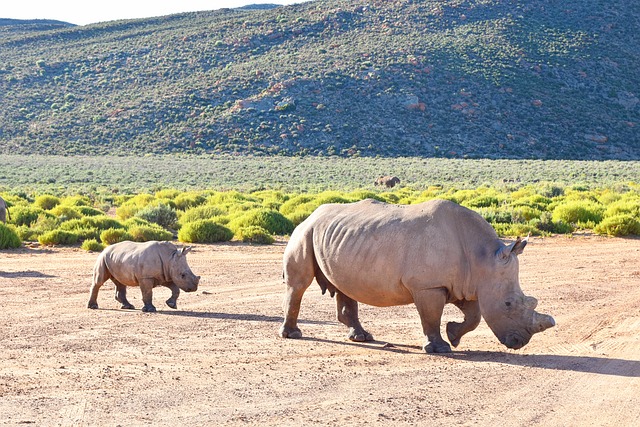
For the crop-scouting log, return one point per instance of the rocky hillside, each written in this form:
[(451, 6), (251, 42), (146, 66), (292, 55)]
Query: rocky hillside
[(454, 78)]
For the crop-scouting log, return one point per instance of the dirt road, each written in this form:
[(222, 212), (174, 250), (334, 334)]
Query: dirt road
[(217, 360)]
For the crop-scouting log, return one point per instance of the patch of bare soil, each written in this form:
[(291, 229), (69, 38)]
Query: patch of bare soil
[(217, 360)]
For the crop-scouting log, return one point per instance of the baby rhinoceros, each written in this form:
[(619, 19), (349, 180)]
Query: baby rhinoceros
[(147, 265)]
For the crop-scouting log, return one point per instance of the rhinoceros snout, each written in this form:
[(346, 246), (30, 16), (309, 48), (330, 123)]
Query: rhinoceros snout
[(515, 341)]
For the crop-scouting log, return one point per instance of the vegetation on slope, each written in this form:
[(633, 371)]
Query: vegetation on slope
[(446, 78)]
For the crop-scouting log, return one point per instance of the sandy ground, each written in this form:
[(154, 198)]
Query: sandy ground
[(217, 360)]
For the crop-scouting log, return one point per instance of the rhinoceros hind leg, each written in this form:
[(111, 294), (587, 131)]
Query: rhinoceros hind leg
[(347, 309), (442, 347), (149, 308), (121, 295), (455, 330), (287, 332)]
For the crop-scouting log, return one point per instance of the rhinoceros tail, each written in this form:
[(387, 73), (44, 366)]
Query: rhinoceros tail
[(322, 280)]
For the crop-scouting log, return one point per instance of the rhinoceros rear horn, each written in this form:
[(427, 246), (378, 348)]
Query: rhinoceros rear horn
[(542, 322)]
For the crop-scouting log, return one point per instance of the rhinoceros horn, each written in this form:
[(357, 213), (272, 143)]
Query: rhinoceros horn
[(542, 322)]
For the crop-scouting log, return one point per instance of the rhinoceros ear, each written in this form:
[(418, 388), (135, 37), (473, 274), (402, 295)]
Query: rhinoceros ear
[(184, 250), (515, 248)]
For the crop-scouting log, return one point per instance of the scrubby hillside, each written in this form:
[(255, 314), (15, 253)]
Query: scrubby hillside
[(485, 78)]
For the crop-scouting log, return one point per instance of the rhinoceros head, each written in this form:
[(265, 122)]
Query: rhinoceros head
[(507, 310), (180, 272)]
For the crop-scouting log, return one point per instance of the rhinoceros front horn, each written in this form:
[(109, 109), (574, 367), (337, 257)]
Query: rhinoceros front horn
[(542, 322)]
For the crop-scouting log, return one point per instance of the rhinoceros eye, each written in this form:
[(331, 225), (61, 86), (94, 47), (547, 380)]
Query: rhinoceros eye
[(182, 275), (507, 303)]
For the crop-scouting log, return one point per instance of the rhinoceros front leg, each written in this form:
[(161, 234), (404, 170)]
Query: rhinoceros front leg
[(348, 314), (175, 293), (430, 304), (121, 295), (146, 287), (471, 311)]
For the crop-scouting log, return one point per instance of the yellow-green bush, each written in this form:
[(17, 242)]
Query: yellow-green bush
[(114, 235), (58, 237), (46, 202), (201, 212), (619, 225), (8, 237), (92, 245), (145, 233), (254, 234), (65, 212), (204, 231), (272, 221), (578, 212)]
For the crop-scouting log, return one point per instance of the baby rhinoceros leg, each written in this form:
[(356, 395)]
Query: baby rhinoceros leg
[(175, 293), (121, 295), (348, 314), (146, 287)]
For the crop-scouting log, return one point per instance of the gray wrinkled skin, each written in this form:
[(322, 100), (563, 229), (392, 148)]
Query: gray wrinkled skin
[(146, 265), (429, 254), (4, 211)]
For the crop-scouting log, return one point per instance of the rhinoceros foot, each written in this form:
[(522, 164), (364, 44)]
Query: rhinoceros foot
[(432, 347), (127, 306), (287, 332), (453, 333), (359, 335), (172, 303), (149, 308), (92, 305)]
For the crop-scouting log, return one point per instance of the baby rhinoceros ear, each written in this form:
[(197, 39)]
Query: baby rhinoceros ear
[(515, 248), (184, 250)]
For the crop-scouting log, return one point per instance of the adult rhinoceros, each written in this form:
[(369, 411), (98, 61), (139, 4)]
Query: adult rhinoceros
[(429, 254), (147, 265)]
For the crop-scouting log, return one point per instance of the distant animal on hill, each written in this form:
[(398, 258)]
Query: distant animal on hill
[(4, 211), (388, 181), (147, 265)]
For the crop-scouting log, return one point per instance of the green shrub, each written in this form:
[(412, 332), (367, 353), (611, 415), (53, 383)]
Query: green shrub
[(27, 234), (619, 225), (26, 215), (578, 212), (482, 202), (65, 213), (292, 204), (145, 233), (161, 214), (204, 231), (494, 215), (78, 227), (545, 223), (168, 193), (8, 237), (624, 206), (92, 245), (201, 212), (46, 202), (89, 211), (272, 221), (114, 235), (186, 201), (125, 212), (297, 217), (101, 222), (76, 201), (58, 237), (255, 234), (516, 230)]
